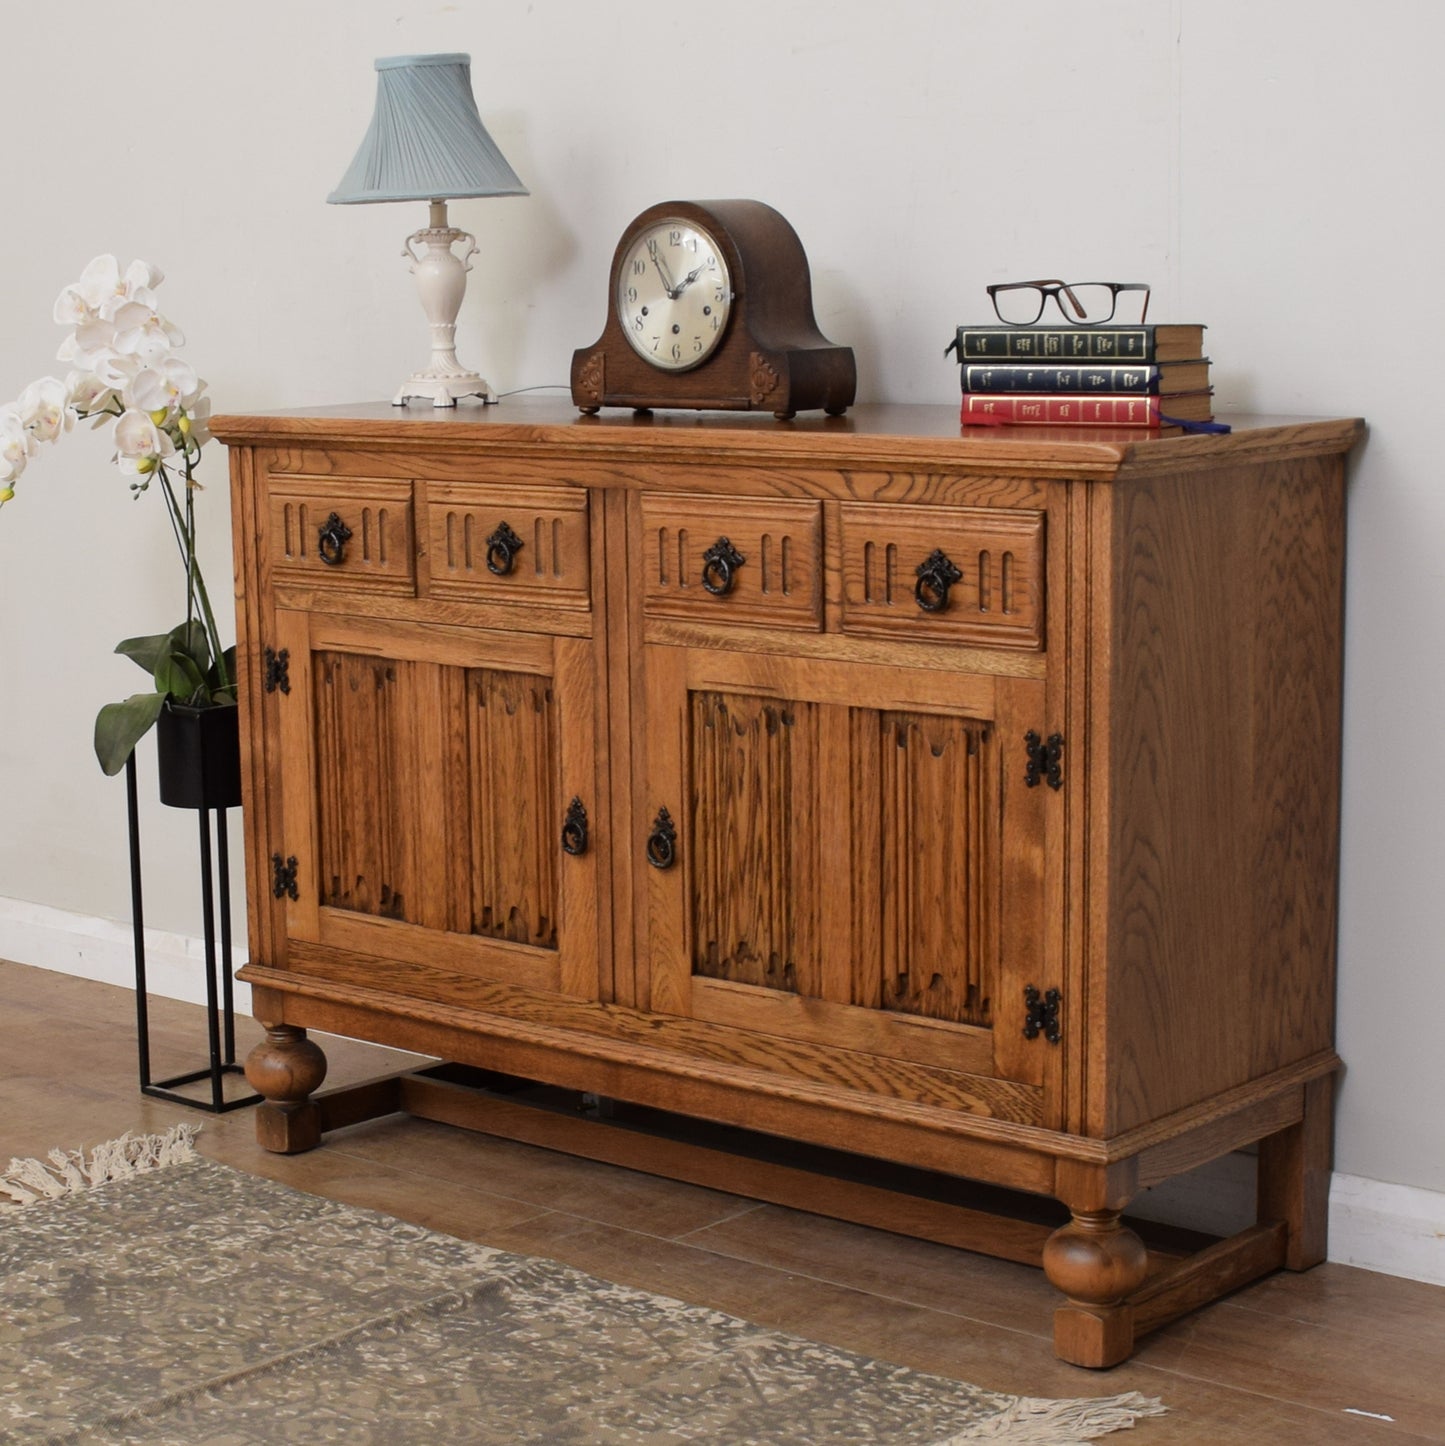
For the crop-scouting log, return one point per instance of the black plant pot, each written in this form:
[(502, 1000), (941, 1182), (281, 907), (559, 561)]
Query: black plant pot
[(199, 753)]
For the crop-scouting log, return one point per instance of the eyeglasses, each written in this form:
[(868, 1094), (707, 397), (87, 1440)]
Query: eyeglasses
[(1086, 303)]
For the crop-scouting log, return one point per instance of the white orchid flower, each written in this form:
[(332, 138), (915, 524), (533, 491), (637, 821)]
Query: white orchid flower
[(71, 308), (195, 423), (14, 445), (114, 369), (141, 330), (140, 445), (141, 276), (44, 408), (163, 387), (102, 288), (99, 281), (91, 338), (89, 395)]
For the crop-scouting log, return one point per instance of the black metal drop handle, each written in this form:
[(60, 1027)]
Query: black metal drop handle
[(502, 549), (574, 830), (936, 574), (662, 841), (719, 567), (331, 540)]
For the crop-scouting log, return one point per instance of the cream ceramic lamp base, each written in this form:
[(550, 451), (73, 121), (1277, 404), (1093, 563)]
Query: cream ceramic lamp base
[(441, 280)]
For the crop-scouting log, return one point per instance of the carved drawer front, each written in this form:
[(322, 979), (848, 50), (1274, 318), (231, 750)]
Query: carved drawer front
[(509, 544), (733, 559), (958, 574), (355, 535)]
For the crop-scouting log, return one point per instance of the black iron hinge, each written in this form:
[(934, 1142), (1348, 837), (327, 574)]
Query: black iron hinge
[(1045, 760), (283, 877), (1042, 1014), (276, 670)]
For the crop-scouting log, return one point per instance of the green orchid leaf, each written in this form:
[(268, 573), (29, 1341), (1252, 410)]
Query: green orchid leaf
[(187, 638), (178, 677), (120, 726), (148, 651), (190, 639)]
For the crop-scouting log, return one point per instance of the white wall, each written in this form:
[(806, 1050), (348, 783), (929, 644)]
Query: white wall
[(1271, 166)]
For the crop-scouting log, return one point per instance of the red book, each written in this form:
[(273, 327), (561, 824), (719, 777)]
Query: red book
[(1064, 409)]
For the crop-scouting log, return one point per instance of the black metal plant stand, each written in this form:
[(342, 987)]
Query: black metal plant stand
[(221, 1011)]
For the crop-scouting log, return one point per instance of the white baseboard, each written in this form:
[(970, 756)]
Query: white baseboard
[(1394, 1229), (104, 950)]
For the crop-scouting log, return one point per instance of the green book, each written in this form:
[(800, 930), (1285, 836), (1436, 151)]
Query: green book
[(1183, 341)]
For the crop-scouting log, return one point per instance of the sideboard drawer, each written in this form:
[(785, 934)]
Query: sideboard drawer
[(955, 574), (356, 535), (509, 544), (733, 559)]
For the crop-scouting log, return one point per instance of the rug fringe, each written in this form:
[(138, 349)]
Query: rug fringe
[(71, 1172), (1036, 1421)]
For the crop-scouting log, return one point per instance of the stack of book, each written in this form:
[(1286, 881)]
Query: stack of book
[(1085, 376)]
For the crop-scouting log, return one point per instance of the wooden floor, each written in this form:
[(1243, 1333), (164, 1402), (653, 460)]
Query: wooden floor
[(1291, 1359)]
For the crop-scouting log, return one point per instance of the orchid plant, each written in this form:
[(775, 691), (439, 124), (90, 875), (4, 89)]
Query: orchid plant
[(124, 373)]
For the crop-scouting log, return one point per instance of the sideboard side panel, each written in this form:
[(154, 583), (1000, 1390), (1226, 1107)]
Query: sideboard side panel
[(1222, 819)]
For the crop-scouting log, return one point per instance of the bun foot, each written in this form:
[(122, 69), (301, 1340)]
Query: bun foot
[(1097, 1263), (286, 1068)]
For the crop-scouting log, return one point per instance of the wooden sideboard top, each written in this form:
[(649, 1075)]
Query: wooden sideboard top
[(886, 435)]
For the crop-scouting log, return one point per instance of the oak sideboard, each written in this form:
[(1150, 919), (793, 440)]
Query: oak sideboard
[(961, 804)]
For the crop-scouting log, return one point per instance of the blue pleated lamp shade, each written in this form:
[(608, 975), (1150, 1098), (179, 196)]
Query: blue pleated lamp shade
[(426, 141)]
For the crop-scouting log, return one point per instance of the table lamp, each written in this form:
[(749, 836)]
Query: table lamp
[(427, 143)]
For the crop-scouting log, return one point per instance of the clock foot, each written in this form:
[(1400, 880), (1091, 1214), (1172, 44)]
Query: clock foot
[(589, 411), (785, 416)]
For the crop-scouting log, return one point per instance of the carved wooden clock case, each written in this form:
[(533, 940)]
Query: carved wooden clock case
[(768, 355)]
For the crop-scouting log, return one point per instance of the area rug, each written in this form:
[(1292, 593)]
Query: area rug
[(150, 1295)]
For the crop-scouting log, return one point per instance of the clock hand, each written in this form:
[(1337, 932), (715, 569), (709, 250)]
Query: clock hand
[(688, 280), (666, 275)]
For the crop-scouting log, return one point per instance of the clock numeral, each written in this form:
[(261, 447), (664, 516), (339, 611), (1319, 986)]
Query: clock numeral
[(676, 351), (639, 267), (674, 238), (632, 294)]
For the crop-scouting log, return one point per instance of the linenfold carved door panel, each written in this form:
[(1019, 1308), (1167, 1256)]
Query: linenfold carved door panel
[(427, 780), (834, 857)]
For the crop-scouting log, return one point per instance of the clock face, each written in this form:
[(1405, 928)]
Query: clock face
[(673, 294)]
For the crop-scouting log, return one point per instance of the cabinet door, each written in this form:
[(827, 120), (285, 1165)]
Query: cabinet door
[(855, 860), (428, 775)]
